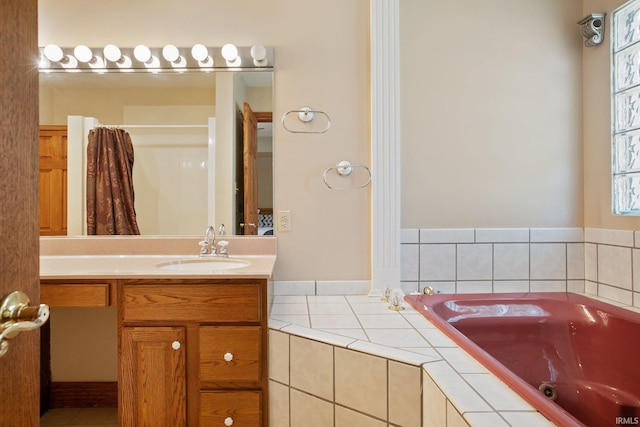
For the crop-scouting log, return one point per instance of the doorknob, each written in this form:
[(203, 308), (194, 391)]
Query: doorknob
[(16, 315)]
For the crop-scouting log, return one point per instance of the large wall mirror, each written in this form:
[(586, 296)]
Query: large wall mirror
[(187, 133)]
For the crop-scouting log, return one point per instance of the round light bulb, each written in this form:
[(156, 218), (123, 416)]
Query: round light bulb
[(258, 52), (229, 52), (112, 53), (83, 53), (142, 53), (170, 53), (53, 53), (200, 52)]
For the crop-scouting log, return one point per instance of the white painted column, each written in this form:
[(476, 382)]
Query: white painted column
[(385, 144)]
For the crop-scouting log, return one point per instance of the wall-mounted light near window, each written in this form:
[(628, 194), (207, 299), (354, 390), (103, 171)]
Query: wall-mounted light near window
[(154, 59), (592, 29)]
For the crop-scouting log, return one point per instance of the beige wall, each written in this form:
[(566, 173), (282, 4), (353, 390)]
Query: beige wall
[(491, 113), (597, 129), (57, 104), (322, 60)]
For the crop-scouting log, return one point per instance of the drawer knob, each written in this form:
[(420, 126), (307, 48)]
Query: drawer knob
[(228, 357), (228, 421), (175, 345)]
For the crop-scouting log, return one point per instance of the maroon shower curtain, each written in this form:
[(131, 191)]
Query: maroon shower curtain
[(110, 196)]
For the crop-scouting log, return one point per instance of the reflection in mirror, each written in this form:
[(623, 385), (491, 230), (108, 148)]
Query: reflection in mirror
[(187, 135)]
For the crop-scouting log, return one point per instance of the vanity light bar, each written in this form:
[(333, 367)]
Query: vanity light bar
[(141, 58)]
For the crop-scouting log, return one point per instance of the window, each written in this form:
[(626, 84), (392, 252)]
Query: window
[(625, 77)]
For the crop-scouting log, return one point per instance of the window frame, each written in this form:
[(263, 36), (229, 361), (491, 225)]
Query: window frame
[(625, 111)]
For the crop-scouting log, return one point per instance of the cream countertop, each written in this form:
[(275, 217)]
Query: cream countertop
[(138, 257)]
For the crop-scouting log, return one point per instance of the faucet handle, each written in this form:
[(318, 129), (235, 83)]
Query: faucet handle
[(223, 248), (203, 246)]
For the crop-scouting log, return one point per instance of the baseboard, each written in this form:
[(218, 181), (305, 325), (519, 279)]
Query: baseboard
[(83, 395)]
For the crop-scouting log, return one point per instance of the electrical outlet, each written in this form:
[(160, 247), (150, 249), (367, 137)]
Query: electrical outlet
[(284, 220)]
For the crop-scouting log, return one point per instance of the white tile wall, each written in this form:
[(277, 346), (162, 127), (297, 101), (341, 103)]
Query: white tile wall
[(549, 261), (598, 261), (437, 262), (612, 264), (492, 259), (474, 262), (511, 261)]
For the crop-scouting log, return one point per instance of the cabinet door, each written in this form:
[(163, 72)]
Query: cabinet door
[(152, 381)]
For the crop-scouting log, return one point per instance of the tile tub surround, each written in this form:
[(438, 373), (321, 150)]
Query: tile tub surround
[(601, 262), (605, 264), (348, 360), (472, 260)]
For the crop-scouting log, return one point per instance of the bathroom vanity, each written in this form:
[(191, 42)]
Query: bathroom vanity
[(192, 332)]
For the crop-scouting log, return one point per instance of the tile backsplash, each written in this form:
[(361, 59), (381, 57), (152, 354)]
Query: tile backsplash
[(596, 261)]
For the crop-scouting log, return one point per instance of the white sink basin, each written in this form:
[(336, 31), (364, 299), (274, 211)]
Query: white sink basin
[(203, 265)]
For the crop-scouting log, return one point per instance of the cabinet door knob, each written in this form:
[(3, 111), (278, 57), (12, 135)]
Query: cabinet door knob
[(228, 357), (228, 421), (175, 345)]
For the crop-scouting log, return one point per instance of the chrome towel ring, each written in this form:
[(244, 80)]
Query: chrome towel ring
[(345, 168)]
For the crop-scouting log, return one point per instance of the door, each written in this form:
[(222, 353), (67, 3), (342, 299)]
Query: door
[(19, 251), (53, 180), (250, 168)]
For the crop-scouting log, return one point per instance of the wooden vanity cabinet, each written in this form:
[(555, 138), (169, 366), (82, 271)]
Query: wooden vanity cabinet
[(193, 353)]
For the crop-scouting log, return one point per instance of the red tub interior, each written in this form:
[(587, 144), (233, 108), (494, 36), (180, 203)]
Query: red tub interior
[(582, 350)]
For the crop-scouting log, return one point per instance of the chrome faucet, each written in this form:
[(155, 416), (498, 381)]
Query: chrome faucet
[(208, 245)]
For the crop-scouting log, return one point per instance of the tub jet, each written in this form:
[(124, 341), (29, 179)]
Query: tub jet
[(549, 390)]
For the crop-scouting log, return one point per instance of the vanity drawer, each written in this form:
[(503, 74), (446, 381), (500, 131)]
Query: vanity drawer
[(75, 295), (237, 302), (243, 407), (230, 354)]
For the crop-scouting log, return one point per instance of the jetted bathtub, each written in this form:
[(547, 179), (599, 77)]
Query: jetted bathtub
[(575, 359)]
